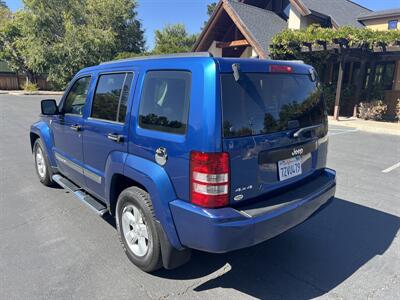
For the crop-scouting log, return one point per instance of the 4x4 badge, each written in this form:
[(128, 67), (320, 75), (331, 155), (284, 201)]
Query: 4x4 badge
[(298, 151)]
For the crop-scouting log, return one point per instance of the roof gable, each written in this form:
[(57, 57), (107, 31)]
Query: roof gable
[(257, 25), (262, 24)]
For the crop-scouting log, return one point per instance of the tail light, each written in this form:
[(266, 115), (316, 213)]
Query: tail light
[(280, 69), (209, 179)]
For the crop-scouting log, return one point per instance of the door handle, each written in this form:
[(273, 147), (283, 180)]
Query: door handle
[(115, 137), (76, 127)]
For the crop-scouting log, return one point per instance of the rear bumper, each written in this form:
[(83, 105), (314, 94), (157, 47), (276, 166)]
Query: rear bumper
[(226, 229)]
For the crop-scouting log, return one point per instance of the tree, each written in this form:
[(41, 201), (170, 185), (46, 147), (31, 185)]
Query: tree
[(59, 38), (210, 10), (173, 39), (126, 55), (5, 13), (120, 16), (83, 33), (16, 46)]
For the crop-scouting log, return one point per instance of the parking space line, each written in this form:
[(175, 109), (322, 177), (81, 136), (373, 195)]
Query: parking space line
[(395, 166), (341, 131)]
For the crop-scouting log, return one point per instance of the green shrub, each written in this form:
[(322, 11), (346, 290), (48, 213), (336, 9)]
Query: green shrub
[(30, 87), (372, 110), (398, 110)]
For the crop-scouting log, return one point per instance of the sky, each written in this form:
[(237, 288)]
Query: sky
[(155, 14)]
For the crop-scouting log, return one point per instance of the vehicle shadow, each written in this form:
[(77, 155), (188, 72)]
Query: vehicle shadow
[(303, 263)]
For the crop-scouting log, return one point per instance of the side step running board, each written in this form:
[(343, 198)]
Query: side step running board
[(98, 207)]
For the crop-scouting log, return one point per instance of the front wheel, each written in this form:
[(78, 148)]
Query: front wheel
[(137, 229), (41, 163)]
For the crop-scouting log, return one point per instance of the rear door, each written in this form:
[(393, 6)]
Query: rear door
[(272, 123), (106, 128), (68, 128), (162, 124)]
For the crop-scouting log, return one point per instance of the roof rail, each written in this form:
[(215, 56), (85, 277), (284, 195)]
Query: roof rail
[(187, 54)]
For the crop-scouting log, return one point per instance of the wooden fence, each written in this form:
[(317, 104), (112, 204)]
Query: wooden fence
[(10, 81)]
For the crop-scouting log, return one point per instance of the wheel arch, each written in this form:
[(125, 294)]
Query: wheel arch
[(33, 137), (153, 179), (118, 183), (42, 130)]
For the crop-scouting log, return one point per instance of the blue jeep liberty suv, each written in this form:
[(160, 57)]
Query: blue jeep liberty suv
[(189, 151)]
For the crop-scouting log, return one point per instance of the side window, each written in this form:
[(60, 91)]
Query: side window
[(164, 104), (111, 97), (76, 98)]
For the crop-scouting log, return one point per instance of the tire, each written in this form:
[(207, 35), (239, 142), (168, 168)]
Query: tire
[(134, 212), (42, 166)]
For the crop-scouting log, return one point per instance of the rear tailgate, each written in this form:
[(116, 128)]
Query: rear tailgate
[(262, 112)]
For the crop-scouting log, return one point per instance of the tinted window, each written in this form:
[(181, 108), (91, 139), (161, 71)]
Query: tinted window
[(165, 101), (76, 99), (111, 97), (263, 103)]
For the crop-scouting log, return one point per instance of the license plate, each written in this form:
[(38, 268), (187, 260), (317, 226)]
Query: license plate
[(289, 168)]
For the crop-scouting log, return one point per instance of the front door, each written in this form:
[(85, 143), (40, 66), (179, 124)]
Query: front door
[(105, 138), (67, 131)]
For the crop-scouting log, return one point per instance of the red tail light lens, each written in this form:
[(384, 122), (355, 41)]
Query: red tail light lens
[(209, 179), (280, 69)]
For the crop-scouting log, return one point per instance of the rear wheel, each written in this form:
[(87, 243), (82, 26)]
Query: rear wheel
[(137, 229), (41, 163)]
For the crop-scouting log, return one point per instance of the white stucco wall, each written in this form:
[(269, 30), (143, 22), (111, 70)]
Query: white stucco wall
[(249, 52), (216, 52), (296, 20), (246, 52)]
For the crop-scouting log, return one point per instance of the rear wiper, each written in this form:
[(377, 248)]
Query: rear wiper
[(236, 71), (305, 129)]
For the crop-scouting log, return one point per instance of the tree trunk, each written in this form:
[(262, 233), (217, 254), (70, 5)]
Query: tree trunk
[(18, 83), (30, 77)]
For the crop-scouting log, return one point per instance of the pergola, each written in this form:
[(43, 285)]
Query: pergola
[(343, 52)]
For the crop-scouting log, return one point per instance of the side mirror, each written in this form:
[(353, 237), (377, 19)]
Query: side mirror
[(49, 107)]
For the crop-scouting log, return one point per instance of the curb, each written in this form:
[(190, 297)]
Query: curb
[(370, 126), (23, 93)]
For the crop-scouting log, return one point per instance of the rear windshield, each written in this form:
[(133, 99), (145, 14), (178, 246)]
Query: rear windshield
[(262, 103)]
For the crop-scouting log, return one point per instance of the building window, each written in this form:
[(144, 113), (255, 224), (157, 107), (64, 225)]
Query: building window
[(388, 76), (383, 77), (392, 24)]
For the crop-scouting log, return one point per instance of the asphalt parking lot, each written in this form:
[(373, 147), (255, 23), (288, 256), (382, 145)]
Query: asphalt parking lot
[(52, 246)]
